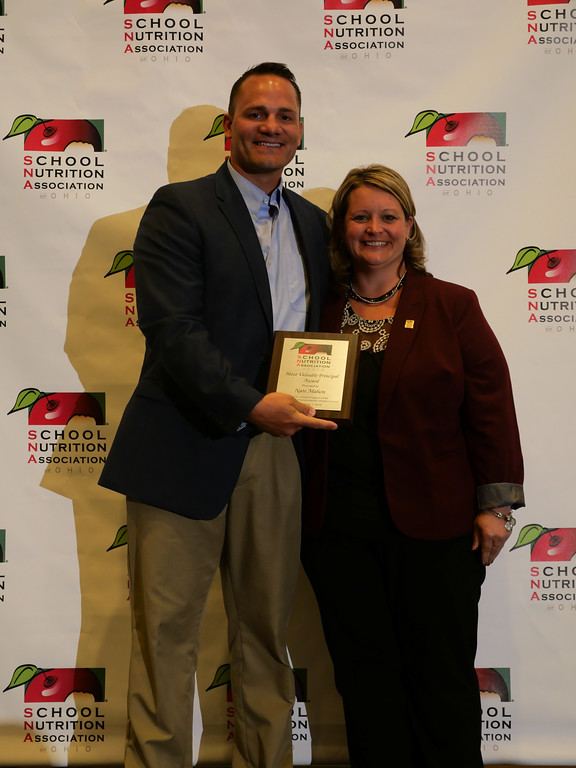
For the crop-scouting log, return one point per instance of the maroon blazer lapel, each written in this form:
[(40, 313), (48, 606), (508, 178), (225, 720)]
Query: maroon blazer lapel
[(405, 329), (331, 319), (406, 326)]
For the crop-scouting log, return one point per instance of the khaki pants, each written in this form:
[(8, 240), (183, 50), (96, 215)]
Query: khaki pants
[(255, 541)]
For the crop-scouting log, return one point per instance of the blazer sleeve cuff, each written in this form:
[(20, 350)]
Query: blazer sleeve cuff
[(496, 495)]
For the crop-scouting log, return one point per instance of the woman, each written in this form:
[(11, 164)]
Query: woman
[(408, 504)]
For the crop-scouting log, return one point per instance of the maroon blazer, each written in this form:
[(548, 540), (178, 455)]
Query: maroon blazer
[(446, 420)]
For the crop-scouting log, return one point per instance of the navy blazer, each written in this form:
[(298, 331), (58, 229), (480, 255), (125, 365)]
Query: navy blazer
[(446, 420), (205, 309)]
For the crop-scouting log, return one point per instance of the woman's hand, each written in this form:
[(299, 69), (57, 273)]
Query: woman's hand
[(490, 535)]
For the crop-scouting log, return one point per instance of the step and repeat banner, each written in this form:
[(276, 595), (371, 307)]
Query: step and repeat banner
[(103, 101)]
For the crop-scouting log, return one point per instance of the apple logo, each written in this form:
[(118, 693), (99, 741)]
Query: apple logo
[(344, 5), (120, 540), (547, 544), (312, 349), (546, 266), (491, 681), (546, 2), (459, 128), (123, 262), (158, 6), (55, 135), (57, 408), (56, 685), (554, 544), (222, 677), (358, 5)]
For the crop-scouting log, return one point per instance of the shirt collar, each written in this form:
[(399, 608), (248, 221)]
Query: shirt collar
[(253, 196)]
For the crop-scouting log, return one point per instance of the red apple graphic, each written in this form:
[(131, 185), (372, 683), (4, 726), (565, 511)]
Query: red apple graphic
[(57, 408), (554, 544), (459, 128), (546, 2), (353, 5), (546, 266), (60, 407), (54, 685), (553, 267), (491, 681), (312, 349), (58, 684), (55, 135), (344, 5), (547, 543), (158, 6)]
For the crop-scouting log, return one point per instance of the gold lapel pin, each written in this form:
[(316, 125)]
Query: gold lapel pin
[(409, 324)]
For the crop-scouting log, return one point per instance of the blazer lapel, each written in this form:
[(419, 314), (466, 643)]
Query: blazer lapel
[(233, 207), (311, 246), (407, 321), (332, 312)]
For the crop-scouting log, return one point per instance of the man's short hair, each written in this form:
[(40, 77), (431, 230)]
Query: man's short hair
[(266, 68)]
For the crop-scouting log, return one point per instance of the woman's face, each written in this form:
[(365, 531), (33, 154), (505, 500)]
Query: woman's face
[(375, 229)]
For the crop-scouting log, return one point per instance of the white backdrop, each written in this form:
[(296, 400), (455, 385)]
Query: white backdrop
[(492, 174)]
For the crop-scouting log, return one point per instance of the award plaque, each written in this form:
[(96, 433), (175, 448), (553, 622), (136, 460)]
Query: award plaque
[(318, 369)]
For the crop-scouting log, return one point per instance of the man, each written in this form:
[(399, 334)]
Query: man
[(220, 263)]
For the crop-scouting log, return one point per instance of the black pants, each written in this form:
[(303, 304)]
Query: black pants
[(400, 618)]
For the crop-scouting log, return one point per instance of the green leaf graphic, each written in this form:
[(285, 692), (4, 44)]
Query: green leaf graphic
[(424, 121), (528, 535), (22, 124), (123, 261), (22, 675), (217, 129), (222, 677), (298, 345), (526, 257), (26, 398), (120, 539)]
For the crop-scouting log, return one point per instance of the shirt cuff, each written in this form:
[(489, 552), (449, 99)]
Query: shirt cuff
[(495, 495)]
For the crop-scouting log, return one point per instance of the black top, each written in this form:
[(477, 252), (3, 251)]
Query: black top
[(356, 501)]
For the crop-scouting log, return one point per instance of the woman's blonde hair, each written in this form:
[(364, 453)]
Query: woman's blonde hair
[(387, 180)]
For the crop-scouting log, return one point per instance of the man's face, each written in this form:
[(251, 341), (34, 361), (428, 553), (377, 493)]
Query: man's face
[(265, 129)]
